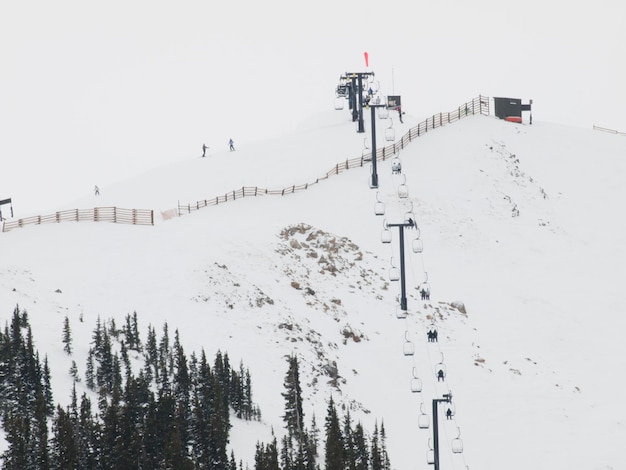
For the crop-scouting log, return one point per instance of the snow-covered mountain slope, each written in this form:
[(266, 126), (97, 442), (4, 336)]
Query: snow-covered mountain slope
[(522, 234)]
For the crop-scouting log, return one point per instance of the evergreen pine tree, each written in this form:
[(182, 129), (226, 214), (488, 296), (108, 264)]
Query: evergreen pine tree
[(64, 450), (236, 393), (74, 372), (111, 431), (348, 443), (375, 454), (152, 354), (221, 372), (286, 453), (164, 356), (294, 415), (40, 434), (128, 331), (136, 346), (104, 359), (26, 398), (182, 393), (47, 388), (174, 450), (89, 371), (219, 425), (16, 429), (67, 336), (233, 463), (128, 446), (152, 443), (258, 456), (116, 372), (383, 447), (248, 404), (86, 435), (361, 457), (334, 439), (96, 337), (266, 457), (202, 410), (125, 359), (312, 442)]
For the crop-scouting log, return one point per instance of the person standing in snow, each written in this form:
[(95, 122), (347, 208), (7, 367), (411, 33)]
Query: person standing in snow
[(204, 148), (96, 190), (231, 145)]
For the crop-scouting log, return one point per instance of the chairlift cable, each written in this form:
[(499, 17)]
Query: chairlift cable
[(431, 364)]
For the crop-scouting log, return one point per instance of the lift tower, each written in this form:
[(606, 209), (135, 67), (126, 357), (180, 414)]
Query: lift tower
[(447, 398), (411, 224), (356, 79), (374, 183)]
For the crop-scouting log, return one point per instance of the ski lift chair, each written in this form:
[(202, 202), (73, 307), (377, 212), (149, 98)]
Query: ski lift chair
[(440, 370), (400, 313), (432, 334), (430, 454), (390, 133), (457, 443), (394, 271), (396, 166), (408, 348), (385, 236), (403, 190), (416, 382), (379, 206), (451, 409), (341, 91), (424, 290), (423, 420)]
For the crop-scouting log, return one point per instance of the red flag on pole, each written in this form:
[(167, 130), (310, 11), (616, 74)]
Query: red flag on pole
[(367, 57)]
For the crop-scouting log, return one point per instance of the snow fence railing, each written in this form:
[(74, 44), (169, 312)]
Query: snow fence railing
[(116, 215), (610, 131), (479, 105)]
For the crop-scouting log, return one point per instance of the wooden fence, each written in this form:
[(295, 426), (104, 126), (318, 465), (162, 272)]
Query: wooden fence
[(604, 129), (97, 214), (478, 105)]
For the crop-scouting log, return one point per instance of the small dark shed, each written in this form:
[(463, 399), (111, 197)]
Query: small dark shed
[(506, 107), (511, 109)]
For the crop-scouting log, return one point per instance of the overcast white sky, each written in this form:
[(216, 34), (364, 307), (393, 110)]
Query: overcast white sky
[(87, 86)]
